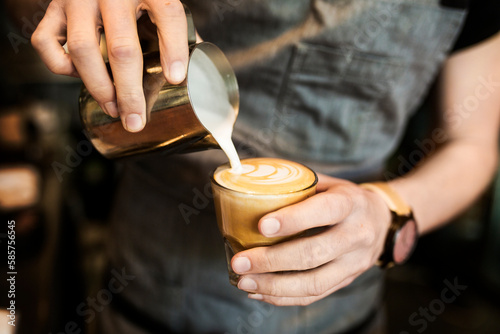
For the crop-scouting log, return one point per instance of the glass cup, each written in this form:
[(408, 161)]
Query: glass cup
[(239, 210)]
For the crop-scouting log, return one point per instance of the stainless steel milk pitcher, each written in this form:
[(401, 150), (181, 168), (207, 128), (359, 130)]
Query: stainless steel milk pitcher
[(172, 122)]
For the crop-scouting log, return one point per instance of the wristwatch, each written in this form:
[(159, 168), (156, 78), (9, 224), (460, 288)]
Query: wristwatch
[(402, 235)]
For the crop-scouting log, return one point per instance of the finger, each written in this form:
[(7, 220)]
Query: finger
[(325, 182), (83, 45), (299, 301), (170, 19), (125, 58), (298, 254), (322, 209), (315, 282), (48, 39)]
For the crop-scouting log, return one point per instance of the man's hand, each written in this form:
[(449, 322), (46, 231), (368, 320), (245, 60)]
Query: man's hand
[(304, 270), (79, 24)]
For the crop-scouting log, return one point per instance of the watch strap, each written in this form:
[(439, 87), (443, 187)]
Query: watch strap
[(390, 196), (401, 214)]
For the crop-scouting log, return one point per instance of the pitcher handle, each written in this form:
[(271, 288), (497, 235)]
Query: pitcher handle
[(190, 26)]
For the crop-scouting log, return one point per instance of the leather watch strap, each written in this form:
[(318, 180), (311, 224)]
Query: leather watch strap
[(390, 196)]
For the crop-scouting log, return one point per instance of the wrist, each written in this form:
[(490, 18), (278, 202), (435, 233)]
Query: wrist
[(402, 233)]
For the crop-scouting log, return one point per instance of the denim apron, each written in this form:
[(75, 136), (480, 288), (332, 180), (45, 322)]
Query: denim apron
[(327, 83)]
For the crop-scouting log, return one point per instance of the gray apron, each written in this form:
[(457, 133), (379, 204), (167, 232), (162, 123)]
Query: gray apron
[(327, 83)]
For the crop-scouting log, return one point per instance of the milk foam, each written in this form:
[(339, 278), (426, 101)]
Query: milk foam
[(266, 176), (210, 101)]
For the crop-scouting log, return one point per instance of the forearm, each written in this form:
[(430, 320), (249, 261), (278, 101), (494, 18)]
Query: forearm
[(454, 175), (447, 182)]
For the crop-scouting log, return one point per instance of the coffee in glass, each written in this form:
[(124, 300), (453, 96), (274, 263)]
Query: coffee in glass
[(243, 197)]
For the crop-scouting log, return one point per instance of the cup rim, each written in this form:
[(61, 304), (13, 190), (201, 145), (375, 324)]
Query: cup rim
[(313, 184)]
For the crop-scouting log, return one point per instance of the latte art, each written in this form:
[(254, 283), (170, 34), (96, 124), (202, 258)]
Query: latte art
[(266, 176)]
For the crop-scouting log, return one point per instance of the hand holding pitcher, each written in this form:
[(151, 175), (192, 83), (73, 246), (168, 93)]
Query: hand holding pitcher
[(79, 24)]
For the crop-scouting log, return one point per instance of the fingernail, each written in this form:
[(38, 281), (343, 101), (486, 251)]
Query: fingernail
[(134, 123), (270, 226), (241, 264), (256, 296), (177, 72), (111, 109), (247, 284)]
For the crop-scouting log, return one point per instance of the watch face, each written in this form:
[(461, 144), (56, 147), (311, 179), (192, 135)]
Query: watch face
[(405, 242)]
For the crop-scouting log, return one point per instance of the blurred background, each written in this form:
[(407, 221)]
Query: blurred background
[(59, 190)]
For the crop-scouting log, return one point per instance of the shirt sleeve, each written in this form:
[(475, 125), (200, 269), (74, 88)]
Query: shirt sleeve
[(483, 21)]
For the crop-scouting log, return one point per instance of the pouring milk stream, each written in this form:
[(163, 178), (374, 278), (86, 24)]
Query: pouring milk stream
[(210, 101)]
